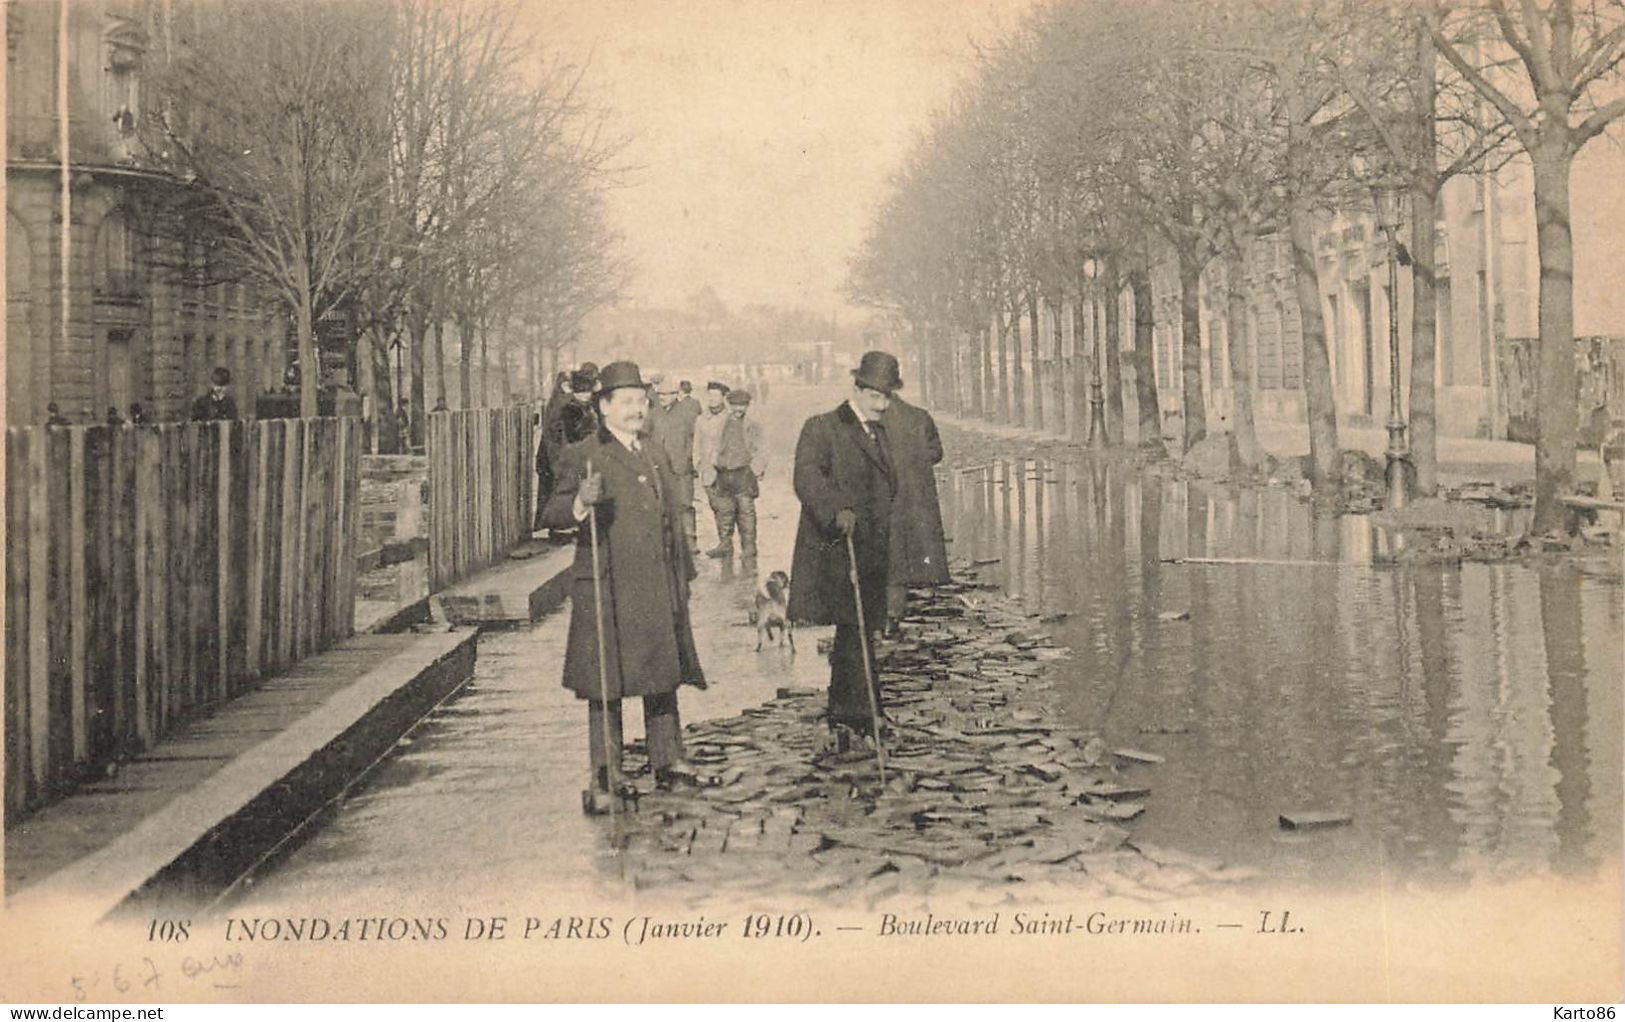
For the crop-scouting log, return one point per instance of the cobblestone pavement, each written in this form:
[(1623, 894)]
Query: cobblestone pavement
[(983, 790), (983, 787)]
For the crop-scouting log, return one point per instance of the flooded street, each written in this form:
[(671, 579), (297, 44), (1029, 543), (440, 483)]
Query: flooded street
[(1467, 717)]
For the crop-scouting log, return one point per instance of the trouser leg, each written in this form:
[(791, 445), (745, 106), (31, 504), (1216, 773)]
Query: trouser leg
[(663, 729), (600, 755), (745, 512), (544, 489), (896, 600), (722, 505), (848, 703)]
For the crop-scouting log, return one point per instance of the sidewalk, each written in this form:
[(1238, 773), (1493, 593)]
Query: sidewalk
[(189, 816), (1461, 459)]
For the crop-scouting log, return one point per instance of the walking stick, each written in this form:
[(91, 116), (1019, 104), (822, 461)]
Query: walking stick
[(610, 753), (868, 670)]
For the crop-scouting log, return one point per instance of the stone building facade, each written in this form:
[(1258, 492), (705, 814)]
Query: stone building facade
[(109, 311), (1488, 293)]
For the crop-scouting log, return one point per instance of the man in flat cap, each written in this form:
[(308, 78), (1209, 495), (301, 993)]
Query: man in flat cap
[(217, 405), (846, 481), (738, 466), (636, 594)]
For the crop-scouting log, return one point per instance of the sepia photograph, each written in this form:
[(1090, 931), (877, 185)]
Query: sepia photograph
[(808, 501)]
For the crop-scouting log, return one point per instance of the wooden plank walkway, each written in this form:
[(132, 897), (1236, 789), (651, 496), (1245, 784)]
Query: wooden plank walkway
[(270, 756), (514, 592)]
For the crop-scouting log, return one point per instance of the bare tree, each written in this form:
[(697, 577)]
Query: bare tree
[(1552, 70), (279, 117)]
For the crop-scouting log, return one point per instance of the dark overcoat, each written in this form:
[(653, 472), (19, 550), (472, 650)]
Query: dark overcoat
[(919, 554), (645, 567), (838, 466), (673, 429)]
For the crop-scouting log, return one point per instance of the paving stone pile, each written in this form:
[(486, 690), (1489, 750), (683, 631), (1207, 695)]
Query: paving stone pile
[(985, 791)]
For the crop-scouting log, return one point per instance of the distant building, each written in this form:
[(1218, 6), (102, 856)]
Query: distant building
[(139, 323), (1488, 302)]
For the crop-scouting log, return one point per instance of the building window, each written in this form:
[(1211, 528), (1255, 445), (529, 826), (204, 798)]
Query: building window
[(115, 260)]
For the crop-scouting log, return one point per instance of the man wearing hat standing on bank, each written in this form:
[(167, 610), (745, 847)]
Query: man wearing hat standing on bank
[(846, 481), (217, 405), (640, 597)]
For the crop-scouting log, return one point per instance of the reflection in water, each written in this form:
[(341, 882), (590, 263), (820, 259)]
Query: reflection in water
[(1468, 718)]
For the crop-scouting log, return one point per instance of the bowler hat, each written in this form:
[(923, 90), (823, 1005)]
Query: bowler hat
[(617, 375), (877, 370), (221, 376), (738, 397), (581, 382)]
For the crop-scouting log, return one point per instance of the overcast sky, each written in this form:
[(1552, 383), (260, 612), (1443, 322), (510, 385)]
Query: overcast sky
[(764, 130)]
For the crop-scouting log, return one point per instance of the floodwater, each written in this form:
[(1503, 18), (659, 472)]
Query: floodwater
[(1467, 718)]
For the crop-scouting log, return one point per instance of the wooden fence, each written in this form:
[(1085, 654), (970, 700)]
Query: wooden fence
[(153, 571), (482, 465), (1599, 374)]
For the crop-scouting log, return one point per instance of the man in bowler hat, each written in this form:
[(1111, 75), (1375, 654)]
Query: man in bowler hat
[(644, 566), (846, 481), (217, 404)]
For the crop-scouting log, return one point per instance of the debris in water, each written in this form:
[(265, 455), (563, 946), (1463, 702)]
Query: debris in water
[(1314, 820), (1137, 756)]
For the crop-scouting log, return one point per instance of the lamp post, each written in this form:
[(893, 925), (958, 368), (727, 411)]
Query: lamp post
[(1097, 394), (1400, 471)]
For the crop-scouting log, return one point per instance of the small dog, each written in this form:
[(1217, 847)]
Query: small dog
[(773, 610)]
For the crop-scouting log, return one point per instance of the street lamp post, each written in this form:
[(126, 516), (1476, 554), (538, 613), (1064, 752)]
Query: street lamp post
[(1400, 469), (1097, 394)]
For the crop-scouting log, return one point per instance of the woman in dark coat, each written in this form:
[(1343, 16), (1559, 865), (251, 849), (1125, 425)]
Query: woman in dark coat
[(919, 553), (644, 566)]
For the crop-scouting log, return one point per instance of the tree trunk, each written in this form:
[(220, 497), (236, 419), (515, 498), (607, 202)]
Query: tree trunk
[(1193, 409), (955, 376), (1424, 197), (1556, 411), (416, 406), (1058, 363), (1241, 362), (1018, 380), (1325, 462), (1114, 355), (1145, 359), (309, 369), (1034, 342), (384, 430), (465, 361), (917, 335), (984, 372), (1325, 466), (1080, 365), (484, 329), (440, 363), (1004, 367)]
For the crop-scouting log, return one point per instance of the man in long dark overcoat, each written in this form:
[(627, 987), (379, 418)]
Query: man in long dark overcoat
[(919, 553), (644, 568), (845, 479)]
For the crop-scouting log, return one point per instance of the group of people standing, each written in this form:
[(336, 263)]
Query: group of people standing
[(624, 486), (715, 444)]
